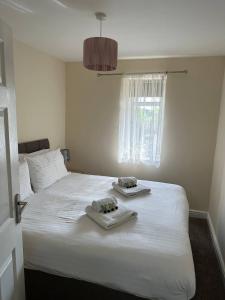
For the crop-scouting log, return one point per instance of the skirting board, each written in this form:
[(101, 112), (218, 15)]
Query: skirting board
[(217, 247), (205, 215), (199, 214)]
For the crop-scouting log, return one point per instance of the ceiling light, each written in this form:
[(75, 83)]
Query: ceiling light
[(100, 53)]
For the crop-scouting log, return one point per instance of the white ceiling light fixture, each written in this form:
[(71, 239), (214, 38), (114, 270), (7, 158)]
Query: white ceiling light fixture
[(100, 53)]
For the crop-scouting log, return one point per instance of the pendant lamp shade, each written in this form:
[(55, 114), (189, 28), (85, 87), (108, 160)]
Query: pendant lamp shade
[(100, 54)]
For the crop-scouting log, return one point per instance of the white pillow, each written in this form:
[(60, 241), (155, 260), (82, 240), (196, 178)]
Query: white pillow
[(24, 177), (46, 168)]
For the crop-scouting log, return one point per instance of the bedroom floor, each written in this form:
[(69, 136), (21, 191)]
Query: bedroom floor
[(208, 276), (209, 280)]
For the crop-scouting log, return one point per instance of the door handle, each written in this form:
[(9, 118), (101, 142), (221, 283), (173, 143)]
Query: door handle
[(19, 207)]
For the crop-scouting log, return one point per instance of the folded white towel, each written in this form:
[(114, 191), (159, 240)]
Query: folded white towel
[(112, 219), (127, 182), (129, 192), (104, 204)]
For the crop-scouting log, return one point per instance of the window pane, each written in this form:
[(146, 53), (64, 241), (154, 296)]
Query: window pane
[(141, 119), (147, 130)]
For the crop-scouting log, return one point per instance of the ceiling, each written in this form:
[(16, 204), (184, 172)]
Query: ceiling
[(143, 28)]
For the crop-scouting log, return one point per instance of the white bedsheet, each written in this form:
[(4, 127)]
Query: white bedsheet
[(150, 257)]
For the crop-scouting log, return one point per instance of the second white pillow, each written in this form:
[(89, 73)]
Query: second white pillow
[(24, 177), (45, 169)]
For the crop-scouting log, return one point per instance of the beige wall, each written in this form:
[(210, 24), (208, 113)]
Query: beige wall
[(217, 197), (191, 117), (40, 95)]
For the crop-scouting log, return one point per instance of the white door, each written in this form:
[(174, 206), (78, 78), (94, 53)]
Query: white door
[(11, 255)]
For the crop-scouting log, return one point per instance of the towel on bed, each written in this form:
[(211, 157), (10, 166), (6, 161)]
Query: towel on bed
[(127, 182), (105, 204), (129, 192), (112, 219)]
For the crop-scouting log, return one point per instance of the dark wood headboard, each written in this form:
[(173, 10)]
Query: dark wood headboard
[(29, 147)]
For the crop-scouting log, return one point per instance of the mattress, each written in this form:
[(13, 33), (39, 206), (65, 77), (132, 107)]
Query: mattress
[(149, 257)]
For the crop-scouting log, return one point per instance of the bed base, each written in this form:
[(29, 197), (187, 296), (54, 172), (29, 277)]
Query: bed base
[(44, 286)]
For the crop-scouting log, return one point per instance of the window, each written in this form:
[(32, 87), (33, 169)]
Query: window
[(141, 118)]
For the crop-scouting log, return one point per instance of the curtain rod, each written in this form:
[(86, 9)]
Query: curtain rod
[(142, 73)]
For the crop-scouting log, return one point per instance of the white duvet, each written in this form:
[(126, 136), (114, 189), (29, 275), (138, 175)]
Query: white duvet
[(150, 257)]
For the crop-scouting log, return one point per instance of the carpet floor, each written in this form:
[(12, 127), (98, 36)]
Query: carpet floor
[(209, 281)]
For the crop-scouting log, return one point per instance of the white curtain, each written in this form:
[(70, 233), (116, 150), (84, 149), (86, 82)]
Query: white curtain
[(141, 118)]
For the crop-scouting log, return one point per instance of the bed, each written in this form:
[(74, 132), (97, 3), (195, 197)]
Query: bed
[(146, 258)]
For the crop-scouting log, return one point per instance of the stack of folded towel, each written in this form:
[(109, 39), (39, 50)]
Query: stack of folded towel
[(128, 187), (105, 205), (106, 218), (127, 182)]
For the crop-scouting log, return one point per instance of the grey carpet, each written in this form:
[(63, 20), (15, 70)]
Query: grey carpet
[(209, 281)]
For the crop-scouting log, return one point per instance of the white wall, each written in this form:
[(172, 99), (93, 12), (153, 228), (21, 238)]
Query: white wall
[(217, 195), (40, 95)]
